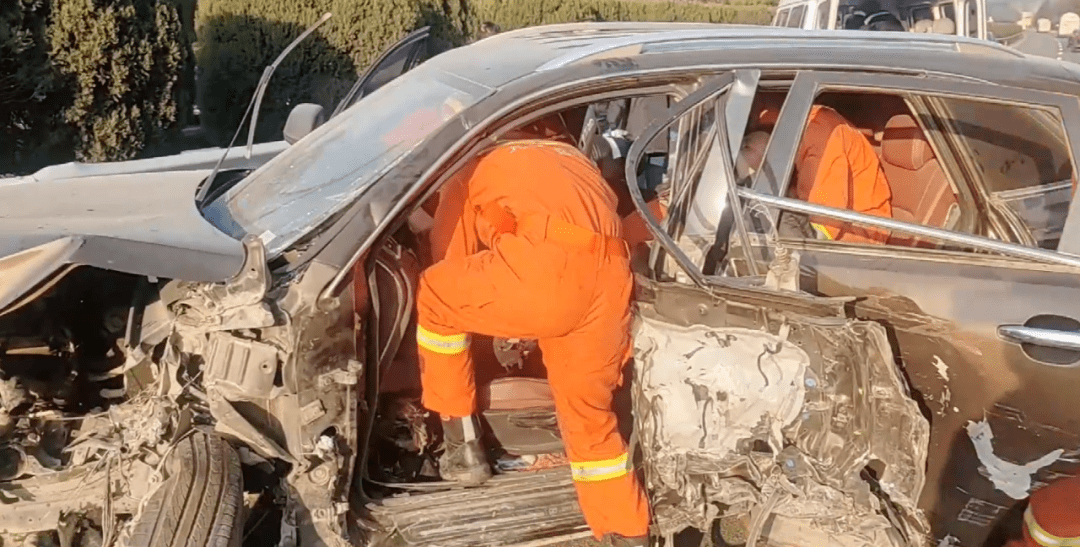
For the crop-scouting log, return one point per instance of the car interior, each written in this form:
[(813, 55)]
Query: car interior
[(515, 401), (1021, 166), (514, 398), (513, 395), (922, 192)]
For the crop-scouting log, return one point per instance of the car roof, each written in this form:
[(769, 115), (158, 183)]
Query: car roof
[(518, 54)]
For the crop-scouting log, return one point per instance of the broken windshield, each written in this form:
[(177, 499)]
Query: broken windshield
[(319, 175)]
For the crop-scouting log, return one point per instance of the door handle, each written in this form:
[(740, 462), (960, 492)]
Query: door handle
[(1050, 338)]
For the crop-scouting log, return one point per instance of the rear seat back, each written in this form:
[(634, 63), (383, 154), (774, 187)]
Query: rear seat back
[(921, 193)]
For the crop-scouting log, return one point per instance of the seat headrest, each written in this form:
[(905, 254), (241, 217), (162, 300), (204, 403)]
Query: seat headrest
[(751, 154), (904, 145), (923, 26), (944, 26)]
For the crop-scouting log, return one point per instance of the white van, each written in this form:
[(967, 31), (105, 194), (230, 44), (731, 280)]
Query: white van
[(1044, 25), (916, 15)]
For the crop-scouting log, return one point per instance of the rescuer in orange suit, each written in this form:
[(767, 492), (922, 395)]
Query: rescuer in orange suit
[(527, 244), (836, 166), (1052, 518)]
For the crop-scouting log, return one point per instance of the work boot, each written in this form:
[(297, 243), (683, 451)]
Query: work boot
[(620, 541), (463, 459)]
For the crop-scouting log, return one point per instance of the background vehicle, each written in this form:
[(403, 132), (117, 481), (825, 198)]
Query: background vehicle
[(1070, 23), (1027, 19), (278, 314), (831, 14), (1044, 25)]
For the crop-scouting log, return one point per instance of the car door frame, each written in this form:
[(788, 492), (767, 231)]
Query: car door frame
[(774, 177), (707, 300), (415, 39), (984, 506)]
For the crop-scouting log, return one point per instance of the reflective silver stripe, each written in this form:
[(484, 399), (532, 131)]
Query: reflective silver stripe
[(600, 470), (440, 343), (1044, 538)]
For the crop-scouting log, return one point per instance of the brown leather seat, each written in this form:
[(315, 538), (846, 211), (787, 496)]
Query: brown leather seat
[(921, 193), (516, 393), (520, 413)]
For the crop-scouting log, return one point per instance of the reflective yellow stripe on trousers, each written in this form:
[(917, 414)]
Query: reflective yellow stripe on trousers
[(1044, 538), (446, 344), (822, 231), (600, 470)]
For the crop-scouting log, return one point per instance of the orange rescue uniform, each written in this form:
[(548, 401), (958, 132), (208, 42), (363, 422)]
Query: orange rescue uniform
[(527, 244), (1052, 518), (837, 167)]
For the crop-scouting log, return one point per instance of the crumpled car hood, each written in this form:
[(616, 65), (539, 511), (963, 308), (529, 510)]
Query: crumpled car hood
[(141, 223)]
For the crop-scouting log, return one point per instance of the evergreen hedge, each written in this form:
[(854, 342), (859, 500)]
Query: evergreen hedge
[(238, 38), (510, 14), (93, 80)]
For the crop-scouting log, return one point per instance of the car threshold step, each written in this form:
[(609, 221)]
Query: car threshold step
[(507, 510)]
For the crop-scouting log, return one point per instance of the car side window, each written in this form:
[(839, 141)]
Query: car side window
[(823, 15), (798, 13), (781, 18), (1020, 158), (985, 168)]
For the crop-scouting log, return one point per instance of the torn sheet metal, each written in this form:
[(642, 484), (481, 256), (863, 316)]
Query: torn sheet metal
[(784, 429), (1012, 479), (706, 375)]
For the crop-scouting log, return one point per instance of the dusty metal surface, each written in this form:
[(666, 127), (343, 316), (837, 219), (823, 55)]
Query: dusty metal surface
[(808, 420), (116, 215), (510, 509)]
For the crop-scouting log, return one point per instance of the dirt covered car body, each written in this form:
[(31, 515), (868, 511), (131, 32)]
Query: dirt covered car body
[(140, 334)]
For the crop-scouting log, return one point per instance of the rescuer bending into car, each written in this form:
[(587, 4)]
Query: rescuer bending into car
[(527, 244)]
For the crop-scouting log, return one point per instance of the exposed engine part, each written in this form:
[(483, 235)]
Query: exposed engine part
[(782, 437)]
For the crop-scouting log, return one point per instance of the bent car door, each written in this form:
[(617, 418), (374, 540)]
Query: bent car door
[(395, 61), (974, 283), (758, 407)]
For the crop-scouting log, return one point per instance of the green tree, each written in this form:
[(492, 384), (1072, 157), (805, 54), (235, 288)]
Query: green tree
[(239, 38), (123, 61), (94, 80), (30, 124)]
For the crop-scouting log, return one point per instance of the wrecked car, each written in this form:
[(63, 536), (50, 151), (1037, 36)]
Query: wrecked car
[(243, 367)]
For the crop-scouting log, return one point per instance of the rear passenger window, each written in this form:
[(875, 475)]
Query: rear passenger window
[(798, 13), (781, 18), (823, 15), (991, 169), (1020, 156)]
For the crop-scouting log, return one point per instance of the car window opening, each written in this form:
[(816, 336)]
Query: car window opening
[(515, 398), (1015, 158)]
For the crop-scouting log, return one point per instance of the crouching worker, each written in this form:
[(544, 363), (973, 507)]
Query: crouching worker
[(527, 245)]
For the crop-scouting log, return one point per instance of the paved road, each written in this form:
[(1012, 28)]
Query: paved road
[(1046, 45)]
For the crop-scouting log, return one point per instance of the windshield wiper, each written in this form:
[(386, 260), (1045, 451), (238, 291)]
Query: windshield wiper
[(256, 101)]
